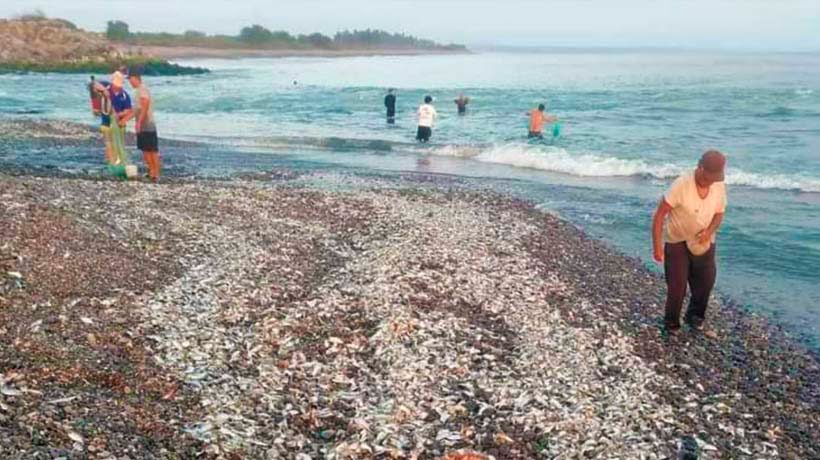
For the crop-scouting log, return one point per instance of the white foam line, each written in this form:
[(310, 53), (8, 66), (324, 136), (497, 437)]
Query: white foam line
[(555, 159)]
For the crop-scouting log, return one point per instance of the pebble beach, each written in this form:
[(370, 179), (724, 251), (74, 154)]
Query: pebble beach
[(332, 315)]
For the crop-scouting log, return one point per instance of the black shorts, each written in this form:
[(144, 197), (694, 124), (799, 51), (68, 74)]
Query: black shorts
[(424, 133), (147, 141), (533, 134)]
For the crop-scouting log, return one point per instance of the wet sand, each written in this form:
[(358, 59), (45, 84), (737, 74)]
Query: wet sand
[(333, 315)]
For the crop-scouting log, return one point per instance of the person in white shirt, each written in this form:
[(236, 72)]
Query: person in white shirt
[(427, 116), (695, 205)]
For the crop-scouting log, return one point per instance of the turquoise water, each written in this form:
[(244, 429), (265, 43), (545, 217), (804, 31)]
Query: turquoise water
[(631, 121)]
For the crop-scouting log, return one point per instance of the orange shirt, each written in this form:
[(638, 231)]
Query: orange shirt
[(536, 121)]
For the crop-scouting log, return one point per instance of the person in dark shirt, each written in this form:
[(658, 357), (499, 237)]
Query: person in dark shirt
[(390, 104), (120, 100), (461, 102), (122, 112)]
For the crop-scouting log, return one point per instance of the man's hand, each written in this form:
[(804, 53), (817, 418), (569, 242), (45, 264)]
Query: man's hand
[(704, 237), (657, 254)]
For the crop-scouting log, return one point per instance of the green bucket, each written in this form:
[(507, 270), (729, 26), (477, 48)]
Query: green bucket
[(123, 171), (117, 171)]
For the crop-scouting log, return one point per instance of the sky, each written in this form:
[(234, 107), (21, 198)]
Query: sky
[(723, 24)]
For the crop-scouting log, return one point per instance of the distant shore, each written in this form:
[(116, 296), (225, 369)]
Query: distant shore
[(190, 52)]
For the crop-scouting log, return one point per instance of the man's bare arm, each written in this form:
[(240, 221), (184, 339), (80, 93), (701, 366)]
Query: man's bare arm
[(124, 116), (657, 229)]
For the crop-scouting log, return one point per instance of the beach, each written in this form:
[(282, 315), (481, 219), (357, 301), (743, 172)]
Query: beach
[(336, 315), (307, 282)]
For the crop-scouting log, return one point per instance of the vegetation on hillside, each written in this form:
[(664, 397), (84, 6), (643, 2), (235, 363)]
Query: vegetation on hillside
[(259, 37), (149, 66)]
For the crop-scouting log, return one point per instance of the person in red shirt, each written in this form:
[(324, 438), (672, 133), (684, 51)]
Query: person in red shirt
[(537, 119), (96, 100)]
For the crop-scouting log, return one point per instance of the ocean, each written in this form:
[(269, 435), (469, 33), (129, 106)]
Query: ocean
[(631, 122)]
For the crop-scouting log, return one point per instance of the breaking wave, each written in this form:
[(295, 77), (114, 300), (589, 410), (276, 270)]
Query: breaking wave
[(558, 160), (539, 157)]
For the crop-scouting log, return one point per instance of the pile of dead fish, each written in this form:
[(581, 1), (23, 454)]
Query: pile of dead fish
[(374, 320)]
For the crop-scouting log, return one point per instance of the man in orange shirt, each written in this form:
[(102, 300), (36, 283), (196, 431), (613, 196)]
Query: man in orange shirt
[(537, 120)]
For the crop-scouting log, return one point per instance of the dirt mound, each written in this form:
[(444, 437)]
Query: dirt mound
[(49, 40)]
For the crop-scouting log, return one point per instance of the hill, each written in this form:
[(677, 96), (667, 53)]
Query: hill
[(40, 44)]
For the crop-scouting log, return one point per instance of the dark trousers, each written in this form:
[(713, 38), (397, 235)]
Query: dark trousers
[(684, 268), (423, 134)]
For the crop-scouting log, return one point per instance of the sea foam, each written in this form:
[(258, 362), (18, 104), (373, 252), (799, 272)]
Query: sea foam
[(559, 160)]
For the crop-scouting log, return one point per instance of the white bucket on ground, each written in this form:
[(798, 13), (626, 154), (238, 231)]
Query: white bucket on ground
[(131, 171)]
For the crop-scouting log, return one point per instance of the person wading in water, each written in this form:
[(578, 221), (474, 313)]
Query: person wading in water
[(461, 103), (390, 105)]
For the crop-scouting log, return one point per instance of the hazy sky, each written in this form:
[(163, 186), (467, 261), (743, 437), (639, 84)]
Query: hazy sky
[(756, 24)]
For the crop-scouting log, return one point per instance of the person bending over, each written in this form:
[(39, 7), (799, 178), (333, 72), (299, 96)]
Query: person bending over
[(692, 210)]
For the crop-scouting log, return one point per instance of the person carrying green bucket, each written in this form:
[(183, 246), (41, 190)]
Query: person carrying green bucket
[(537, 119)]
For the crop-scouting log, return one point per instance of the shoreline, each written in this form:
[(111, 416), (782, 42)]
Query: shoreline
[(428, 317), (53, 134), (152, 66), (190, 52)]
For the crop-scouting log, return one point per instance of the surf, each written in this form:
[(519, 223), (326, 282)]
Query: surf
[(559, 160)]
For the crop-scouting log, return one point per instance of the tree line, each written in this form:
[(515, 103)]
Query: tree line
[(257, 36)]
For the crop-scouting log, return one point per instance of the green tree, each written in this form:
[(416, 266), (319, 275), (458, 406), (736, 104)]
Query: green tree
[(281, 36), (255, 34), (317, 40), (117, 30), (194, 34)]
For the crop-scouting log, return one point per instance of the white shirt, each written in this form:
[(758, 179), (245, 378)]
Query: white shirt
[(427, 114), (690, 213)]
